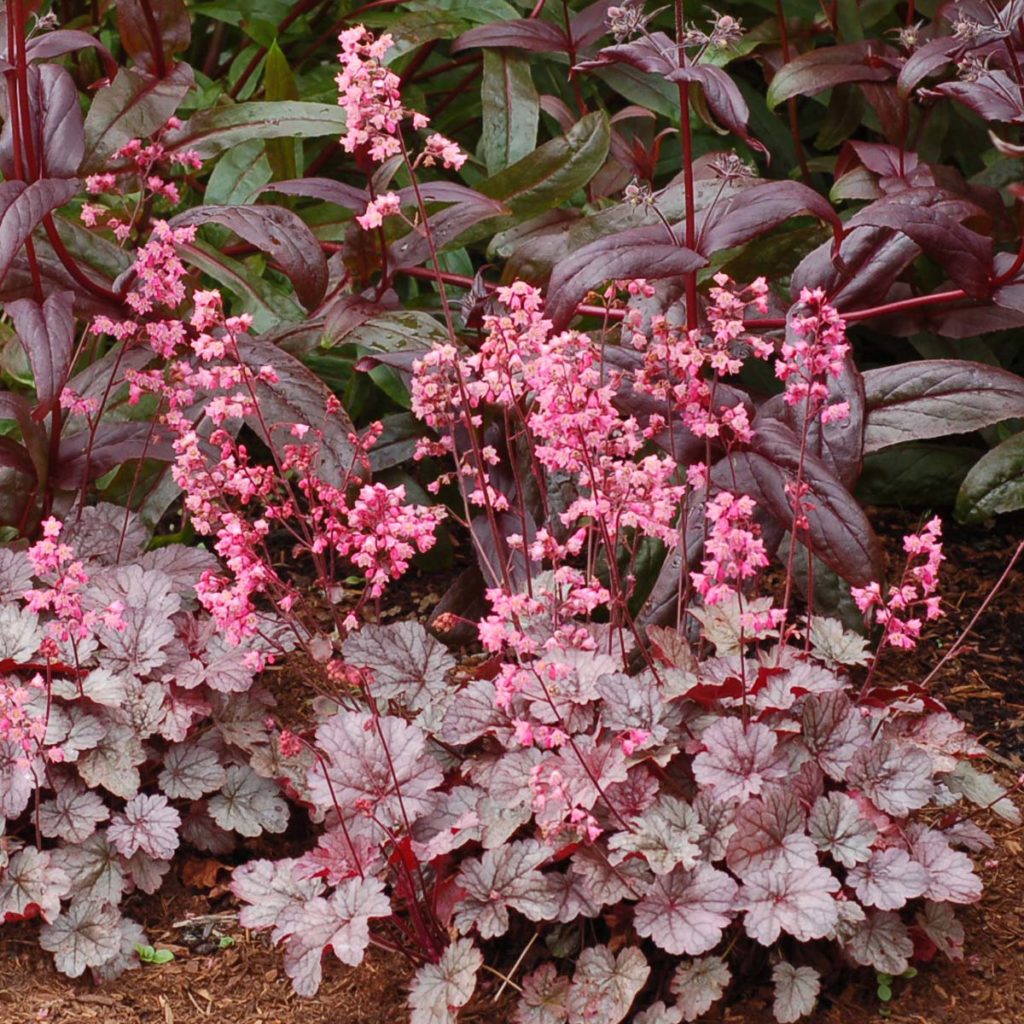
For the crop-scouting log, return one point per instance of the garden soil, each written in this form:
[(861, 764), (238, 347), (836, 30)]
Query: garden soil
[(244, 983)]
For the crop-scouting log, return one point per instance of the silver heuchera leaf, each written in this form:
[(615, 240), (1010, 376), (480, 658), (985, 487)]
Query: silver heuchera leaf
[(502, 878), (267, 888), (146, 873), (982, 790), (406, 665), (770, 835), (687, 911), (132, 936), (881, 941), (190, 771), (888, 879), (834, 732), (698, 984), (15, 575), (666, 835), (797, 902), (248, 804), (659, 1013), (94, 868), (218, 665), (106, 533), (543, 998), (796, 991), (32, 879), (114, 763), (471, 713), (20, 633), (895, 777), (87, 934), (380, 764), (184, 564), (939, 922), (440, 990), (604, 986), (73, 813), (605, 883), (17, 779), (739, 760), (834, 645), (149, 601), (453, 822), (950, 876), (149, 824), (840, 830), (719, 821), (340, 922)]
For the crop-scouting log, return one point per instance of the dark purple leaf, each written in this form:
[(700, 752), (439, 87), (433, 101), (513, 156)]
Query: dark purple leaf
[(838, 531), (964, 254), (47, 334), (445, 226), (82, 457), (330, 191), (133, 106), (590, 24), (281, 234), (724, 99), (299, 396), (829, 66), (636, 252), (935, 398), (68, 40), (14, 456), (529, 34), (994, 96), (152, 31), (926, 60), (655, 54), (56, 125), (759, 209), (868, 263), (36, 439), (22, 208)]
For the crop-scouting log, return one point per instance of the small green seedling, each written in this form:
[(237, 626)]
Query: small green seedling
[(885, 982), (226, 942), (151, 955)]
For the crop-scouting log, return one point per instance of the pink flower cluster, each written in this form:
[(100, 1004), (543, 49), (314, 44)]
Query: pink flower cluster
[(900, 611), (371, 97), (683, 367), (65, 576), (21, 724), (151, 163), (813, 352), (734, 550)]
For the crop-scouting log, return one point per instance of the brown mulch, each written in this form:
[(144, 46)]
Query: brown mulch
[(245, 983)]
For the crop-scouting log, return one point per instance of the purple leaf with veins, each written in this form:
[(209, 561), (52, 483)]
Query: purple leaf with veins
[(604, 986), (687, 911), (834, 731), (770, 835), (268, 887), (738, 761), (895, 777), (950, 873), (149, 824), (698, 984), (881, 941), (839, 829), (504, 878), (796, 991), (888, 879), (440, 990), (31, 879), (797, 902)]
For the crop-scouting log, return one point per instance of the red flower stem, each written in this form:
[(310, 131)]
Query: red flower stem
[(690, 228)]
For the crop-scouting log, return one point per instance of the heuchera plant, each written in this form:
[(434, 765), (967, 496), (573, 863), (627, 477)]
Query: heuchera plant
[(750, 798)]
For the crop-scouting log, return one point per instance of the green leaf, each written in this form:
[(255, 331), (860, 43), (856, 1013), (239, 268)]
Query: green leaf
[(162, 956), (884, 993), (553, 173), (995, 484), (511, 109), (239, 175), (279, 86), (917, 474), (398, 331), (219, 128)]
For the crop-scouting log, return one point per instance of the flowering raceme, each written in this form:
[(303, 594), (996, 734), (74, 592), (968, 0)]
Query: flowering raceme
[(900, 611)]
